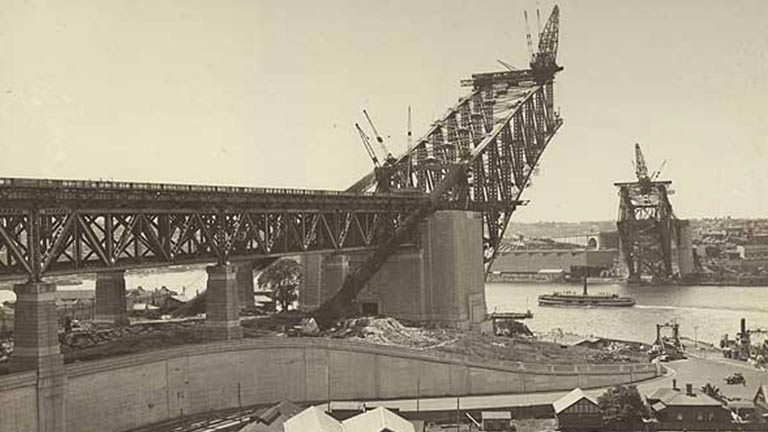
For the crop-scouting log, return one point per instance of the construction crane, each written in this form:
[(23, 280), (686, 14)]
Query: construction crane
[(656, 174), (641, 169), (506, 65), (389, 157), (528, 39), (543, 62), (367, 144)]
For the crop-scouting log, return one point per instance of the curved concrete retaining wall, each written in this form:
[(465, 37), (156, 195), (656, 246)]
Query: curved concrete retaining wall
[(18, 402), (131, 391)]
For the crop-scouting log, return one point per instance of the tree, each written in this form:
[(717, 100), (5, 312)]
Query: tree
[(284, 278), (623, 407)]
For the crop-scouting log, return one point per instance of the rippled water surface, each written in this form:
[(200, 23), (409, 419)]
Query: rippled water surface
[(705, 312)]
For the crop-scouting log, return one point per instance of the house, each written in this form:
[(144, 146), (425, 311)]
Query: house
[(272, 418), (578, 412), (689, 409)]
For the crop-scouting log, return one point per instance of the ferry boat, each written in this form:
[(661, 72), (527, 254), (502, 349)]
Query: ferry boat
[(585, 299)]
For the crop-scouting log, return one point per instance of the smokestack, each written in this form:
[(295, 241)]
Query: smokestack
[(689, 389), (674, 384), (743, 327)]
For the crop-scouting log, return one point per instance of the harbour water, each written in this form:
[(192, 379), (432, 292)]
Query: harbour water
[(704, 312)]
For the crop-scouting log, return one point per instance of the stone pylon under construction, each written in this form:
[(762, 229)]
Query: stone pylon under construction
[(654, 244)]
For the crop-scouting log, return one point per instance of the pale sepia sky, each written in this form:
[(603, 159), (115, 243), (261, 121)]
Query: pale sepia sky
[(265, 93)]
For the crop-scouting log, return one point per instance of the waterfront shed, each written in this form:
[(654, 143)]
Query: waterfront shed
[(578, 412)]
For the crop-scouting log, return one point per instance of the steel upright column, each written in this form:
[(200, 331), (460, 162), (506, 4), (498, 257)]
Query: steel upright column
[(36, 348), (110, 298), (221, 303)]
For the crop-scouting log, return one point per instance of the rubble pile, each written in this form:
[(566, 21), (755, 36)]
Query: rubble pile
[(384, 331), (512, 328), (94, 335), (6, 347)]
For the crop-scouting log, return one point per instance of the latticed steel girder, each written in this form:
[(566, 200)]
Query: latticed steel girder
[(478, 157), (498, 134), (647, 229), (57, 227)]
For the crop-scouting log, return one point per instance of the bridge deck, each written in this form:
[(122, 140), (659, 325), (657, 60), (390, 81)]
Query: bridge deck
[(27, 193)]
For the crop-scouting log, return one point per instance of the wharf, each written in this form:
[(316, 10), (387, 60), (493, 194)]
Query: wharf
[(510, 315)]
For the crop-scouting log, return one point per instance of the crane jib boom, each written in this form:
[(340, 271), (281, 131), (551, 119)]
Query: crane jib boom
[(379, 139), (367, 144)]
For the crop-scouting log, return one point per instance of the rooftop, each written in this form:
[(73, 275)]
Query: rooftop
[(679, 397), (571, 398), (377, 420)]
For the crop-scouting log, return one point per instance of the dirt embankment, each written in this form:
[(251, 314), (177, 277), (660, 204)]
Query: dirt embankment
[(519, 346), (97, 342)]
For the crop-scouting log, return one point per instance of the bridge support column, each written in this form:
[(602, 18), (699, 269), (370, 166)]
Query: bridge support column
[(110, 298), (245, 284), (36, 348), (311, 295), (221, 303)]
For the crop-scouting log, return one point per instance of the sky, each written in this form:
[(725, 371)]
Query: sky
[(266, 93)]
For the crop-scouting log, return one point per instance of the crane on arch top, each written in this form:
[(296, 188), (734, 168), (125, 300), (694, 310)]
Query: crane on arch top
[(478, 157)]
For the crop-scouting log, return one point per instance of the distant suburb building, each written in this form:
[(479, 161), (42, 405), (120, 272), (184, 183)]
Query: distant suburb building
[(578, 412)]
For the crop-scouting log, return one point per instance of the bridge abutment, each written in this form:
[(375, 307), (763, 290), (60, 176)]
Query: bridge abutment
[(441, 281), (36, 348), (110, 298), (222, 303)]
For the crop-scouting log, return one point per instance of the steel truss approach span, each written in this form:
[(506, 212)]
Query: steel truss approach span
[(50, 227)]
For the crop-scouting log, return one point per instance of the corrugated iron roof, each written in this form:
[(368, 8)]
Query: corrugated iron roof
[(378, 420), (312, 419), (571, 398)]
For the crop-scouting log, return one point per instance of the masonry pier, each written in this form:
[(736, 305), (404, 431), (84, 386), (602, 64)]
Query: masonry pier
[(110, 298), (245, 284), (222, 303), (36, 348)]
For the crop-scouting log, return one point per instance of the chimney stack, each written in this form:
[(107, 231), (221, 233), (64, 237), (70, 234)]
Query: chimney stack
[(743, 327), (689, 389), (674, 384)]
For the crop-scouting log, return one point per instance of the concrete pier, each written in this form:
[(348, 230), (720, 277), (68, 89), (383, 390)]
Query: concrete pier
[(245, 284), (36, 348), (222, 303), (110, 298)]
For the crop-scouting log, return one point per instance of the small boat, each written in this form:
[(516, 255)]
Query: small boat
[(585, 299)]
